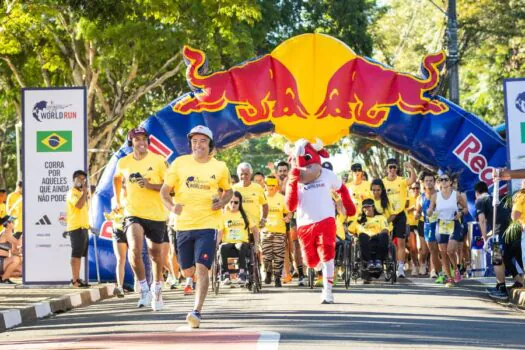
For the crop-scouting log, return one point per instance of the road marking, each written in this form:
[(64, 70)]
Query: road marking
[(268, 340)]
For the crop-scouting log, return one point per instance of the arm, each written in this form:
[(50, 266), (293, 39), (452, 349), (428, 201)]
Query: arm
[(347, 200), (505, 174), (292, 190), (483, 225), (463, 203), (82, 200), (264, 214), (288, 217), (117, 190), (413, 176), (149, 186), (225, 199), (168, 201), (432, 205)]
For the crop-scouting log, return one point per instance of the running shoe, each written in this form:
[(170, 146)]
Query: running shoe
[(301, 281), (457, 275), (378, 265), (370, 265), (287, 279), (156, 302), (188, 290), (450, 283), (194, 319), (433, 274), (401, 272), (278, 283), (145, 298), (499, 294), (268, 278), (118, 292), (327, 298), (414, 272), (422, 269), (7, 281), (440, 279)]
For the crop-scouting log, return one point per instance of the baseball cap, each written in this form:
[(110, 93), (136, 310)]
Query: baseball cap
[(368, 202), (356, 167), (392, 161), (137, 132), (271, 181), (7, 218), (202, 130), (327, 165)]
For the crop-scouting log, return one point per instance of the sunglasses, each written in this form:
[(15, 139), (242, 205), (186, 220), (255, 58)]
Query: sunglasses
[(392, 167), (414, 188), (443, 179), (234, 202)]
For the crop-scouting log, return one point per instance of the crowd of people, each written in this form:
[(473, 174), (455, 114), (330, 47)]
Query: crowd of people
[(185, 213)]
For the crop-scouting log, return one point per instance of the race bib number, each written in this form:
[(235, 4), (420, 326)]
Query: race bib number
[(445, 227), (235, 234)]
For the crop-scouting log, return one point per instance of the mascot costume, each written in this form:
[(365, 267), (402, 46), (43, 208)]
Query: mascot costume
[(309, 191)]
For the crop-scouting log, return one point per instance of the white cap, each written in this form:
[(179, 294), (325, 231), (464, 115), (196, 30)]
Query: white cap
[(201, 129)]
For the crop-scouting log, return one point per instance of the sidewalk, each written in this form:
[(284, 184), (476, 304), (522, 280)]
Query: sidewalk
[(22, 305)]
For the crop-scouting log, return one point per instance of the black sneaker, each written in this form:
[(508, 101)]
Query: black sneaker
[(517, 285), (8, 281), (268, 278), (83, 284), (278, 282), (499, 295)]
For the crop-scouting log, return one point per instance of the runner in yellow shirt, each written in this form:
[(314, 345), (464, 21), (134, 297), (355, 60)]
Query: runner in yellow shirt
[(14, 208), (397, 192), (359, 189), (145, 216), (274, 233), (196, 179), (77, 220), (253, 198), (235, 238)]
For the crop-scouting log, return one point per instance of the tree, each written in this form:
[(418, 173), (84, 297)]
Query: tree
[(123, 53)]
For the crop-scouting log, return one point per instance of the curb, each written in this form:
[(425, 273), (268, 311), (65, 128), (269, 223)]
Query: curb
[(17, 317), (517, 297)]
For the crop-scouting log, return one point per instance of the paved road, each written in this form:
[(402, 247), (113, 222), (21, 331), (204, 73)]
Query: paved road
[(412, 314)]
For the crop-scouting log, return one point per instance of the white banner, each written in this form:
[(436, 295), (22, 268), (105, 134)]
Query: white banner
[(54, 132), (514, 90)]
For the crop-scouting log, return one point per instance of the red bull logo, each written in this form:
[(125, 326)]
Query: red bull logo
[(260, 89), (319, 84), (353, 94)]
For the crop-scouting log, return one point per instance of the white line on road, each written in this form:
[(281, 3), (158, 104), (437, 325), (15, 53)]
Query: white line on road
[(268, 340)]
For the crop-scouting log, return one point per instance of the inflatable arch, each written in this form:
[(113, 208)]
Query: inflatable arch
[(313, 86)]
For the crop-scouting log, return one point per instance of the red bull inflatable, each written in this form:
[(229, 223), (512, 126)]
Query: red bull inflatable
[(311, 87)]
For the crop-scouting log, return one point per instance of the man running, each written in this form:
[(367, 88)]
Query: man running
[(397, 192), (359, 189), (195, 179), (144, 214)]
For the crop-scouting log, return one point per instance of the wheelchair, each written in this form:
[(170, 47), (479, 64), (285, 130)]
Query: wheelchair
[(253, 271), (358, 267), (343, 258)]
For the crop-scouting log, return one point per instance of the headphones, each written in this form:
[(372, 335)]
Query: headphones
[(130, 139)]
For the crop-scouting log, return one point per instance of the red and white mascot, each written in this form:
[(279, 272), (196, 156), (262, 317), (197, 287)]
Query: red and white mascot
[(309, 191)]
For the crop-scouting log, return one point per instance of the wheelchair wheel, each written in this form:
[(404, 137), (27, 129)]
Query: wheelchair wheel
[(391, 264), (356, 260), (347, 262), (215, 273)]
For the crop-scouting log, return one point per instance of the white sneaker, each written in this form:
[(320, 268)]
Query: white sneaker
[(406, 267), (414, 271), (327, 298), (423, 269), (194, 319), (156, 301), (145, 298), (433, 274), (400, 272), (226, 281)]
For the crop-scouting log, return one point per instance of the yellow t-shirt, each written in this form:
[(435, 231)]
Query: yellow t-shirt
[(397, 192), (142, 202), (374, 225), (196, 185), (411, 218), (14, 208), (233, 228), (358, 193), (386, 213), (519, 205), (276, 211), (76, 218), (253, 198), (339, 223)]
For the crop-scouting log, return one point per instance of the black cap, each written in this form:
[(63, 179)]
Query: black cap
[(367, 202), (327, 165), (356, 167), (392, 161), (6, 219)]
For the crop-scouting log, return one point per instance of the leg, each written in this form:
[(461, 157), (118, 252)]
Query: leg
[(155, 251), (120, 250), (412, 248), (202, 286), (326, 247), (204, 252), (307, 240), (225, 252), (267, 250), (298, 257), (165, 255), (11, 264), (278, 254), (244, 249), (382, 246), (445, 263), (135, 236), (364, 246), (287, 258)]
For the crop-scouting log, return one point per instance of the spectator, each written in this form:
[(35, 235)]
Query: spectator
[(78, 224), (14, 208), (10, 258), (258, 178)]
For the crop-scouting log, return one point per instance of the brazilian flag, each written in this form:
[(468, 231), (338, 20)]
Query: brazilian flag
[(54, 141)]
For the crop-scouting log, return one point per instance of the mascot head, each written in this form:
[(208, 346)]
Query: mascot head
[(307, 153)]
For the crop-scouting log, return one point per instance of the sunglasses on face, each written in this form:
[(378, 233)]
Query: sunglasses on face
[(444, 179), (234, 202), (392, 167), (415, 188)]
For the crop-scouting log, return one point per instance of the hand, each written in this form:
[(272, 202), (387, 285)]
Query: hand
[(144, 183), (500, 174), (458, 215), (287, 219), (177, 209), (408, 165), (118, 207), (430, 212), (270, 165), (216, 205)]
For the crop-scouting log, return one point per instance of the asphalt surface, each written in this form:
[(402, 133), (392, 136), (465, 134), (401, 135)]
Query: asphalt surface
[(412, 314)]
